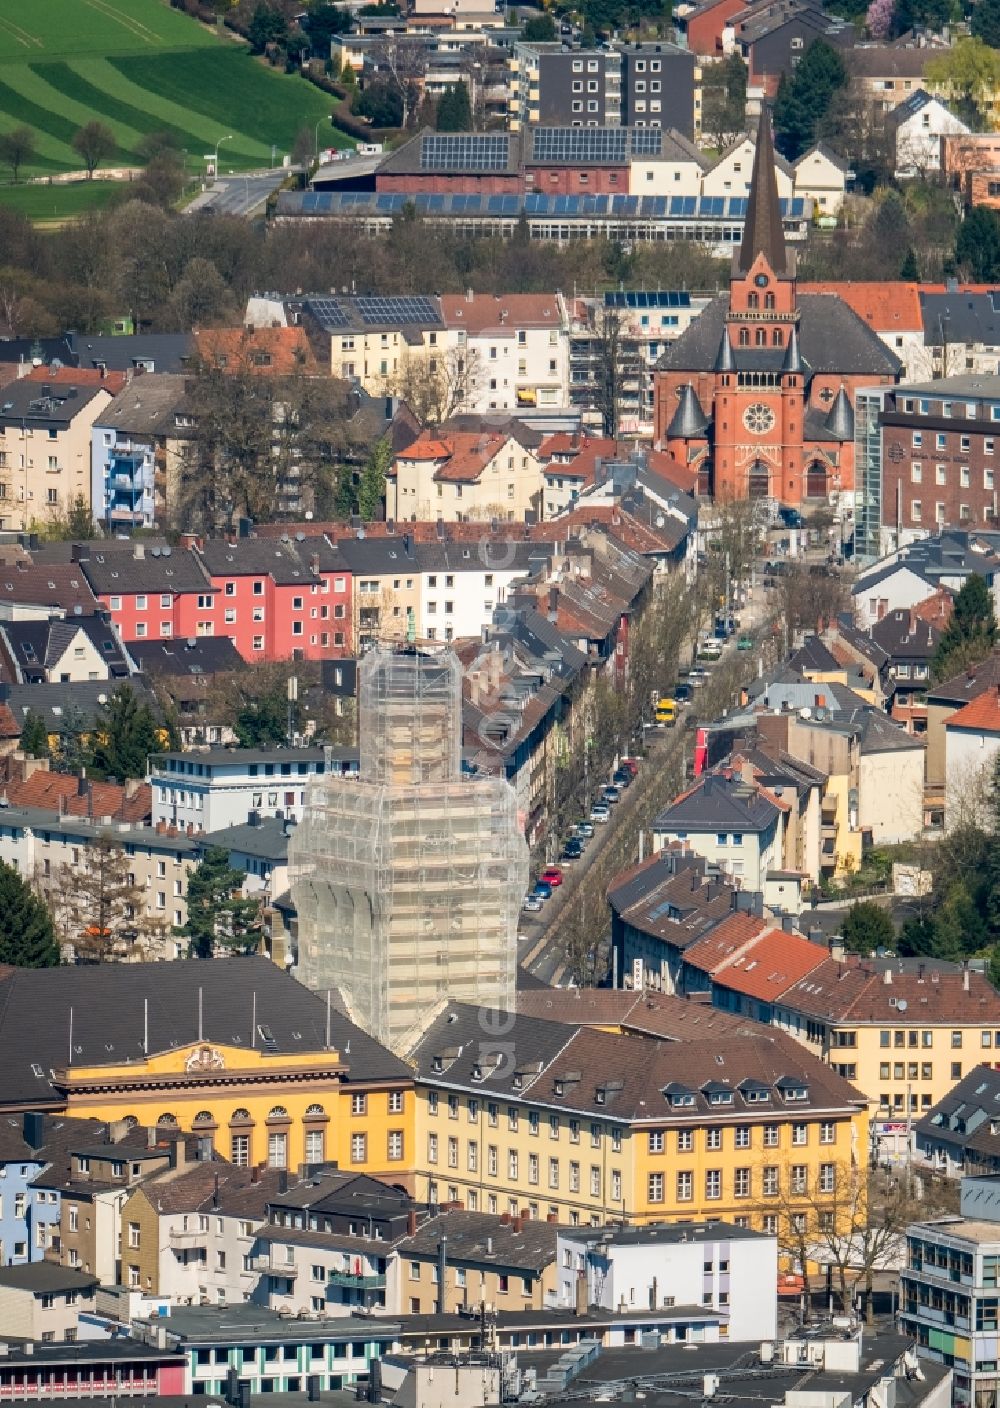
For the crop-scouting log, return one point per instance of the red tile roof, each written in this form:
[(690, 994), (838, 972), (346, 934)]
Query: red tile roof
[(726, 940), (465, 454), (268, 351), (770, 964), (855, 992), (113, 382), (59, 792), (885, 307), (936, 609), (500, 314), (981, 714)]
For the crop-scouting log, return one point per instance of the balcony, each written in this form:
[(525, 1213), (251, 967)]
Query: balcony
[(269, 1264), (187, 1238), (353, 1282)]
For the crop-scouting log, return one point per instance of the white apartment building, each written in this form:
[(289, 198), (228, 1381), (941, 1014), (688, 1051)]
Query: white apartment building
[(220, 787), (516, 348)]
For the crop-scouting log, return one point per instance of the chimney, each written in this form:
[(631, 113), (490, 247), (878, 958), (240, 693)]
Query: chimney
[(255, 1174), (442, 1274), (411, 1223), (965, 975), (525, 1215), (505, 1219), (178, 1153), (33, 1129), (580, 1298), (515, 1224), (887, 977), (469, 295), (837, 950), (552, 1217), (138, 552), (215, 1191), (283, 1180)]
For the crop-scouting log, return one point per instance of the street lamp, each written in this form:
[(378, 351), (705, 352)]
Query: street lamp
[(215, 163), (316, 133)]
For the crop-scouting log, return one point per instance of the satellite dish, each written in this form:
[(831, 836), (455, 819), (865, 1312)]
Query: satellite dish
[(156, 552), (166, 552), (78, 610), (901, 1005), (300, 537)]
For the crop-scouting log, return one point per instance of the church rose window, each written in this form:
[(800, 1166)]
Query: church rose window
[(758, 418)]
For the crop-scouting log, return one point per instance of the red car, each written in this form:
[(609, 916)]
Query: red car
[(632, 764), (553, 876)]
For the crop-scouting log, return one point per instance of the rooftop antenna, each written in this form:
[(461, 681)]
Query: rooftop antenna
[(71, 1036), (200, 990), (253, 1021), (328, 1019)]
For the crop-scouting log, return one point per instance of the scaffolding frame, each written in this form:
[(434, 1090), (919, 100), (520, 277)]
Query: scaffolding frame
[(408, 879)]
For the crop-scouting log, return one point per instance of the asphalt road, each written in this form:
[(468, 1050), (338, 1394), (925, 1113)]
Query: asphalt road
[(237, 195)]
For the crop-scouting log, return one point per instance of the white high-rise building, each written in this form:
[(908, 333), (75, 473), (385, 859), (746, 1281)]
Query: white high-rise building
[(408, 878)]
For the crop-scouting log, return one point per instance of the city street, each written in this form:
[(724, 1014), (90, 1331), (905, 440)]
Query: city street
[(237, 195)]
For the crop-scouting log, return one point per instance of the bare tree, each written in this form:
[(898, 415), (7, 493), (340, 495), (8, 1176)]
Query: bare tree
[(403, 63), (437, 386), (96, 905), (615, 363)]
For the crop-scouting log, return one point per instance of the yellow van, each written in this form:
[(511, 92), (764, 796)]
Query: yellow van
[(666, 712)]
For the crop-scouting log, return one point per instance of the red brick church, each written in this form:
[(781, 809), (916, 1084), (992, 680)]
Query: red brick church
[(758, 393)]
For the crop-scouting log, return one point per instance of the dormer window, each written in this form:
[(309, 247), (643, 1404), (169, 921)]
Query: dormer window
[(437, 1064), (559, 1087), (518, 1080), (721, 1097), (796, 1092)]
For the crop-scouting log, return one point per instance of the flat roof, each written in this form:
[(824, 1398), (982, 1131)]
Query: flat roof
[(242, 1324)]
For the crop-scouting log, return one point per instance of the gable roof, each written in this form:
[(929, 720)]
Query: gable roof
[(856, 991), (147, 406), (719, 803), (885, 306), (68, 795), (769, 964), (263, 351), (500, 315), (464, 454), (981, 715), (47, 584)]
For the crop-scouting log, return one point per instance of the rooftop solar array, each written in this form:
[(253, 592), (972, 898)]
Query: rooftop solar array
[(362, 203), (646, 141), (397, 310), (328, 312), (585, 145), (651, 298), (465, 152)]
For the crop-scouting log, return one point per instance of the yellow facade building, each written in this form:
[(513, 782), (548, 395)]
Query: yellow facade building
[(233, 1049), (517, 1114)]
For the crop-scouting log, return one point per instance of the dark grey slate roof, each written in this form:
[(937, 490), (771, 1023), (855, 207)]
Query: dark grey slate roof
[(201, 655), (832, 339), (960, 317), (720, 803), (902, 639), (812, 654), (478, 1239), (459, 1042), (168, 351), (963, 1117), (792, 361), (85, 698), (288, 563), (43, 1277), (147, 406), (26, 400), (171, 570), (960, 689), (268, 840), (688, 419), (763, 232), (108, 1012), (36, 646)]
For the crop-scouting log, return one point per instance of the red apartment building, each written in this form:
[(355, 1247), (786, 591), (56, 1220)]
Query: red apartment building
[(938, 454), (280, 600), (275, 600)]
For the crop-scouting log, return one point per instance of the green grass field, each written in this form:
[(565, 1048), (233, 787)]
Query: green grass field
[(56, 203), (141, 67)]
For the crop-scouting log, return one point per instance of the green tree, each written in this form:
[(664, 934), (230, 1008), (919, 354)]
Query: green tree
[(267, 26), (16, 147), (867, 926), (92, 143), (71, 751), (804, 96), (263, 721), (970, 634), (969, 73), (986, 22), (909, 269), (304, 146), (382, 104), (219, 915), (125, 734), (454, 112), (27, 933), (539, 29), (371, 490), (34, 736), (322, 23), (977, 245)]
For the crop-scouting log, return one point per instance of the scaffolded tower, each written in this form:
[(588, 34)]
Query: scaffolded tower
[(408, 879)]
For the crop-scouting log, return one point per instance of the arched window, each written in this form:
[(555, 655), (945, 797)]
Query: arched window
[(759, 480), (744, 337), (168, 1119), (753, 301), (761, 338), (817, 483), (315, 1111), (776, 337), (239, 1114), (204, 1117), (769, 300), (131, 1121), (277, 1112)]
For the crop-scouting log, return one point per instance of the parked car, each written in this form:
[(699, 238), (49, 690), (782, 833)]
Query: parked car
[(573, 849), (532, 903), (611, 795), (551, 876), (542, 889), (697, 676), (600, 811), (791, 517), (622, 777), (584, 830), (632, 764), (682, 693)]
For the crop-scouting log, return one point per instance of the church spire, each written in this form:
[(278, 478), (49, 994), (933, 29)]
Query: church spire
[(762, 231)]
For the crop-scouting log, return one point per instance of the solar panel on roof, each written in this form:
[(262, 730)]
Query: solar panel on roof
[(397, 310), (465, 151), (328, 312), (580, 144), (646, 141)]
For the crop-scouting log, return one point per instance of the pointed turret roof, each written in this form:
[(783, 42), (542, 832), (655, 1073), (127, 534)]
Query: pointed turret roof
[(762, 231), (724, 359), (792, 362), (689, 419), (840, 418)]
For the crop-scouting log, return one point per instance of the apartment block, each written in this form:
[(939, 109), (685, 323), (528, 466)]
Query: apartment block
[(45, 449)]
